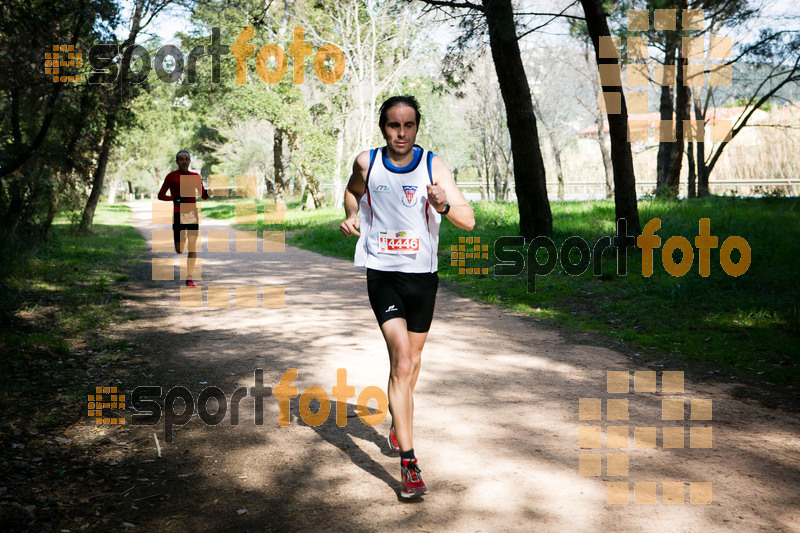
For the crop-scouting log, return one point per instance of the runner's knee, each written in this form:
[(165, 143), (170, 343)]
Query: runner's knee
[(403, 367)]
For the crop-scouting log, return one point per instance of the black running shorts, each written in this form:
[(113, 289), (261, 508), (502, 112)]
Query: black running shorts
[(177, 227), (403, 295)]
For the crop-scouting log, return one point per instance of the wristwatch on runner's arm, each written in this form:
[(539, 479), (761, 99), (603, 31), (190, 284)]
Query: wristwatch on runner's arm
[(446, 209)]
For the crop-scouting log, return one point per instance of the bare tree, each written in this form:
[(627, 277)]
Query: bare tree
[(378, 42), (775, 57), (554, 84), (497, 19), (486, 118), (586, 68)]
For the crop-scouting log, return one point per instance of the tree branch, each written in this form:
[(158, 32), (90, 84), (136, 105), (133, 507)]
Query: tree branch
[(793, 75), (444, 3), (553, 17)]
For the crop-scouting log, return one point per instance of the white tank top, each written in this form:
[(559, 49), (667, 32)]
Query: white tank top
[(399, 228)]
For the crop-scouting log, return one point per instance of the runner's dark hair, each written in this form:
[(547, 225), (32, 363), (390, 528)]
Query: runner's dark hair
[(408, 100), (183, 152)]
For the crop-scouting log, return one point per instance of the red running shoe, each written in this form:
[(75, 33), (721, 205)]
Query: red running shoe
[(190, 283), (413, 486), (393, 440)]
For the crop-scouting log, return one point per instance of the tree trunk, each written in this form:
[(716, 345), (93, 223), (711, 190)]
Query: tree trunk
[(559, 173), (338, 183), (111, 119), (557, 159), (682, 103), (488, 181), (298, 184), (69, 164), (691, 191), (487, 167), (480, 183), (499, 183), (535, 217), (702, 171), (313, 188), (507, 164), (53, 207), (606, 155), (667, 113), (277, 162), (112, 190), (621, 157), (554, 149), (497, 180), (24, 154), (602, 138), (99, 174)]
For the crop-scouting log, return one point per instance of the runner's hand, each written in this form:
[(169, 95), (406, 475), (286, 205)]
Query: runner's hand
[(436, 197), (350, 226)]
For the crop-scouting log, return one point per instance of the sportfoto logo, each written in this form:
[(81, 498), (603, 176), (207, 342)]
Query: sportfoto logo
[(512, 261), (169, 64), (146, 403), (618, 427)]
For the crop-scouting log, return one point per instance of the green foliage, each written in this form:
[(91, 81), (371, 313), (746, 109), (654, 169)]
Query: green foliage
[(48, 130), (160, 125), (743, 101), (223, 108)]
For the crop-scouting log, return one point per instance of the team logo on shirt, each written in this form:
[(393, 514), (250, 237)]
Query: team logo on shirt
[(381, 189), (409, 191)]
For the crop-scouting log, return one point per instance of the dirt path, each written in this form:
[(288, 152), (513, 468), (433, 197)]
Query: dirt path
[(496, 425)]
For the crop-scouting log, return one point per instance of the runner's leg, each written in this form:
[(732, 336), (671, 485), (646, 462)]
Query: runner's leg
[(180, 237), (192, 256), (402, 371), (417, 343)]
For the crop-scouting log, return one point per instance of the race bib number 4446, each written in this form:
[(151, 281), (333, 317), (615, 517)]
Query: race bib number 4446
[(189, 217), (398, 242)]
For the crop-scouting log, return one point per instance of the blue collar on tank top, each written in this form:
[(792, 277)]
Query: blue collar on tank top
[(408, 168)]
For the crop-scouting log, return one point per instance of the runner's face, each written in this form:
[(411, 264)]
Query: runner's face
[(400, 130), (183, 162)]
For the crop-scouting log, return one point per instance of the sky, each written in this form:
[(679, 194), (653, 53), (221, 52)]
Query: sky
[(165, 25), (172, 20)]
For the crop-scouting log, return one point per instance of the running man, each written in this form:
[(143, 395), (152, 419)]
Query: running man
[(185, 218), (402, 191)]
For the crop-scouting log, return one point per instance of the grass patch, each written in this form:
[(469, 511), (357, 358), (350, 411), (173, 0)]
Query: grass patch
[(747, 326), (66, 304)]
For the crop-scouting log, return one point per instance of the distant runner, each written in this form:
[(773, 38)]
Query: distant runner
[(402, 191), (185, 218)]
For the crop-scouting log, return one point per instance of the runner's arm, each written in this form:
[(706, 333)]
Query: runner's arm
[(162, 194), (352, 195), (203, 192), (445, 190)]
